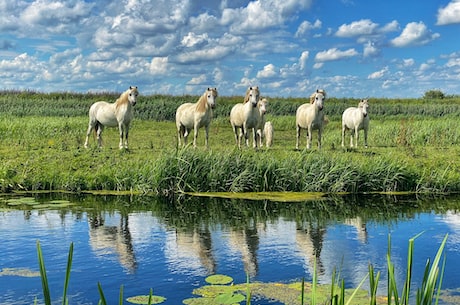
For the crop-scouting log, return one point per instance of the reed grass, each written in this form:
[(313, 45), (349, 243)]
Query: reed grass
[(411, 147)]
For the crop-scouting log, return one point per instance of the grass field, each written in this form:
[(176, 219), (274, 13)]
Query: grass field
[(415, 149)]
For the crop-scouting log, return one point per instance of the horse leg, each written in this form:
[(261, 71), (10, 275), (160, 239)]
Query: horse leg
[(297, 137), (88, 133), (99, 129), (352, 135), (343, 135), (206, 136), (356, 136), (365, 137), (121, 130), (126, 136), (254, 138), (195, 134), (309, 136), (246, 135), (320, 132)]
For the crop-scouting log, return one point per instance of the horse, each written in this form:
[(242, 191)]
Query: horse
[(261, 124), (310, 116), (355, 119), (103, 114), (196, 115), (246, 116), (268, 133)]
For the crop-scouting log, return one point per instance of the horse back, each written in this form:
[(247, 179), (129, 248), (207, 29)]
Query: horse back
[(104, 113)]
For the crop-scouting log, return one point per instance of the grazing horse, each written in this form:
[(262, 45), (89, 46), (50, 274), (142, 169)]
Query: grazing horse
[(195, 115), (310, 116), (118, 114), (246, 116), (355, 119)]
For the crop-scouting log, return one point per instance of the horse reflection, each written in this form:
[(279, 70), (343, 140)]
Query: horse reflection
[(196, 244), (360, 226), (108, 239), (246, 241), (309, 239)]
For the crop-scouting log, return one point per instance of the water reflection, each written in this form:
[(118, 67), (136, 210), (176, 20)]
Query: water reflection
[(112, 238), (172, 239)]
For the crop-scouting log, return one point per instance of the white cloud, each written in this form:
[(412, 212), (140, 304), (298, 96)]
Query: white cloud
[(334, 54), (199, 80), (357, 28), (192, 39), (414, 34), (268, 72), (159, 65), (378, 74), (370, 50), (303, 60), (449, 14), (306, 26)]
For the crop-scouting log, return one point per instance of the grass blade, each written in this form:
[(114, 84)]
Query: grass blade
[(67, 274), (102, 301), (41, 262), (120, 298)]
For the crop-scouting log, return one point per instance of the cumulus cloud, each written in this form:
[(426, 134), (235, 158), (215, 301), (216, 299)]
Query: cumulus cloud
[(449, 14), (303, 60), (357, 28), (268, 71), (378, 74), (159, 65), (192, 39), (414, 34), (334, 54), (306, 26), (370, 50)]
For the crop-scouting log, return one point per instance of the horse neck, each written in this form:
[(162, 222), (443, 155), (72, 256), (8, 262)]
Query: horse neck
[(122, 100), (202, 104)]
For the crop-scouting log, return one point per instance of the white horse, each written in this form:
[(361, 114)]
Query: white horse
[(196, 115), (267, 134), (246, 116), (355, 119), (262, 105), (310, 116), (118, 114)]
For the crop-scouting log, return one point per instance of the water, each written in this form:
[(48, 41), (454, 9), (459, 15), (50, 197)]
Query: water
[(172, 245)]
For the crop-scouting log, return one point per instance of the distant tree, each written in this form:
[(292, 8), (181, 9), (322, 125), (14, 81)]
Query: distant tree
[(434, 94)]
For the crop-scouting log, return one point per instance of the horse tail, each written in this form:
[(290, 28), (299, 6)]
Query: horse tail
[(96, 127)]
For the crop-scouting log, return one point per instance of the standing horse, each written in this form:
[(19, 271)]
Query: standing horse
[(261, 124), (310, 116), (115, 114), (246, 116), (196, 115), (355, 119)]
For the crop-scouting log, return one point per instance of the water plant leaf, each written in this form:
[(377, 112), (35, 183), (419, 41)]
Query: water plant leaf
[(229, 298), (144, 299), (219, 279)]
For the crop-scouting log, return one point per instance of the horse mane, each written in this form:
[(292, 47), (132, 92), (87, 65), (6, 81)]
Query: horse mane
[(202, 103), (313, 95), (123, 98), (246, 97)]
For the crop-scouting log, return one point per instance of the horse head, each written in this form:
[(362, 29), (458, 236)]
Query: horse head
[(211, 96), (364, 105), (252, 96), (132, 95), (262, 106), (318, 98)]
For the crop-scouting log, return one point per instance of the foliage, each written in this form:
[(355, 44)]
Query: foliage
[(433, 94)]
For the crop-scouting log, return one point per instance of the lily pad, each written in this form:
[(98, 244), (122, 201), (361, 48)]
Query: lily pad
[(229, 298), (219, 279), (144, 299)]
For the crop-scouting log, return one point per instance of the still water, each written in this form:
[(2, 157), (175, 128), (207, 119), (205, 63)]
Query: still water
[(172, 245)]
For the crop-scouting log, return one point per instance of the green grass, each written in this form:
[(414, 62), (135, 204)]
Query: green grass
[(413, 148)]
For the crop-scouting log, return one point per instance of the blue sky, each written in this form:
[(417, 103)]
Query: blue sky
[(351, 48)]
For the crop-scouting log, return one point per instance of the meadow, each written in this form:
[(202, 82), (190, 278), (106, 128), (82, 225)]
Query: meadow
[(414, 146)]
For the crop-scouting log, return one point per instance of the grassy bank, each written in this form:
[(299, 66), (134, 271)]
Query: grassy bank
[(39, 153)]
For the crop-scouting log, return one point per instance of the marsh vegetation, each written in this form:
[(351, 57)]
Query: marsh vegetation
[(413, 146)]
